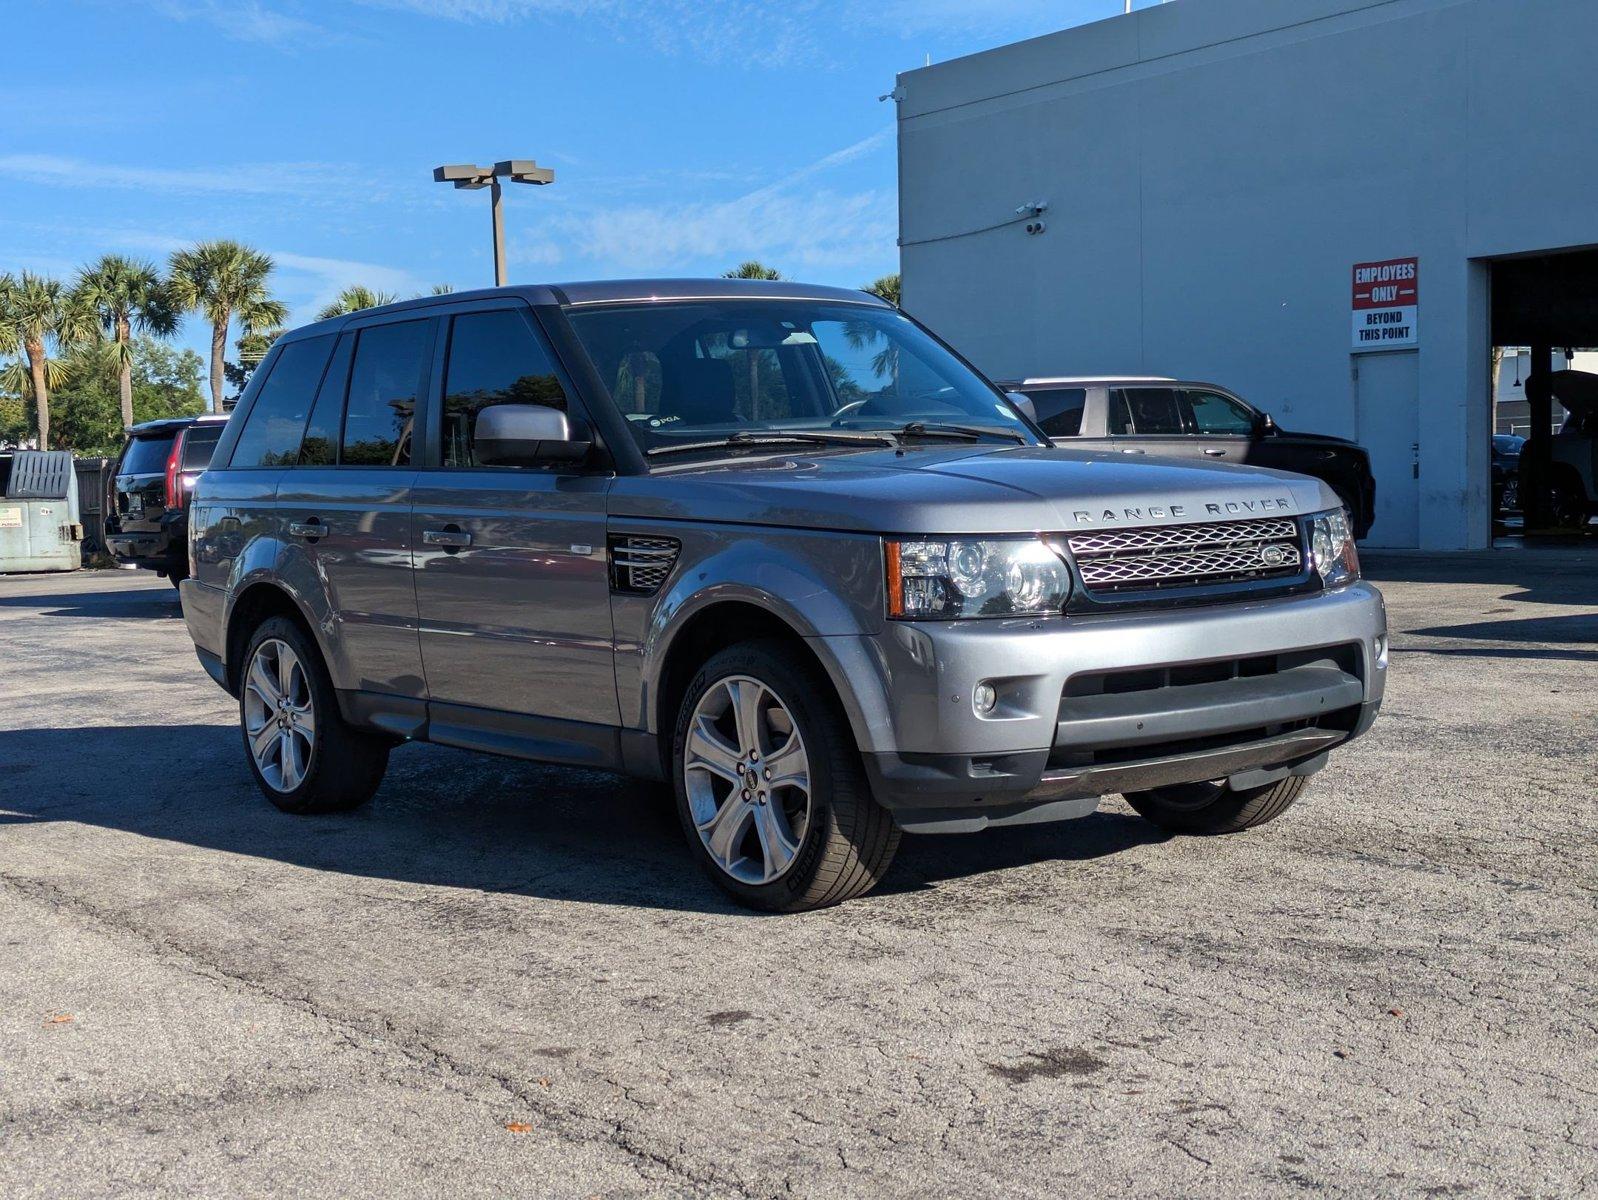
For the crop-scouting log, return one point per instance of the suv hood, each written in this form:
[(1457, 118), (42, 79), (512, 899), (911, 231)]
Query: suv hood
[(963, 489)]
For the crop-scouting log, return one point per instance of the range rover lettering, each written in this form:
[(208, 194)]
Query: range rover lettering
[(777, 545)]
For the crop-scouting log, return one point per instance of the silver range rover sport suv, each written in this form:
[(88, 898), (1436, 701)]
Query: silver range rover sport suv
[(777, 545)]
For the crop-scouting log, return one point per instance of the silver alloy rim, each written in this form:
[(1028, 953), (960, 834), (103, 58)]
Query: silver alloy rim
[(748, 780), (278, 717)]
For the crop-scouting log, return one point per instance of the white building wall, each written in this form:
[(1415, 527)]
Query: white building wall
[(1215, 168)]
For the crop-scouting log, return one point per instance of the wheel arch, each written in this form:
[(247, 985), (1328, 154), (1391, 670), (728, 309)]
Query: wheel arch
[(719, 623), (253, 604)]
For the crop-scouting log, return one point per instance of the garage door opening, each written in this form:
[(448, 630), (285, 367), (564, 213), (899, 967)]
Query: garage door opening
[(1544, 459)]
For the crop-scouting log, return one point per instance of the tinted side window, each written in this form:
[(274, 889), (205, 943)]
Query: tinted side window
[(384, 384), (494, 358), (198, 442), (1217, 414), (320, 448), (272, 432), (1060, 410), (1148, 411)]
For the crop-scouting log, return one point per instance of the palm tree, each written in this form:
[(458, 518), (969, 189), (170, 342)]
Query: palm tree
[(126, 295), (222, 280), (37, 313), (885, 288), (752, 269), (353, 299), (862, 333)]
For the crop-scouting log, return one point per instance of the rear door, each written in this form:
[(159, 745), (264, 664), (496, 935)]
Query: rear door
[(345, 505), (512, 585), (1148, 421)]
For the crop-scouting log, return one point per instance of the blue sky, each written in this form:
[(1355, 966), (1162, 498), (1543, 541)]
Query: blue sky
[(686, 135)]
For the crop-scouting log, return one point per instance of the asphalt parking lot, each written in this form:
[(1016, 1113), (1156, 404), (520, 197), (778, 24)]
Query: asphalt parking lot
[(503, 978)]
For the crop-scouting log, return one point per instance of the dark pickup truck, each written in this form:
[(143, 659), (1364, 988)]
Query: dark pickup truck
[(147, 506)]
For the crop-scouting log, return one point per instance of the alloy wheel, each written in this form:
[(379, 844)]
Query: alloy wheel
[(748, 780), (279, 718)]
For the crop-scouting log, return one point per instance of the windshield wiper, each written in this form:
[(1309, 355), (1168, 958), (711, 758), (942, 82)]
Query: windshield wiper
[(781, 439), (960, 432)]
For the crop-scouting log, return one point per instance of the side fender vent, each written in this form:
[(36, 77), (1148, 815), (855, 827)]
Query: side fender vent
[(639, 565)]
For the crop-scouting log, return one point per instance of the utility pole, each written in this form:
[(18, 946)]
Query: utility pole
[(468, 177)]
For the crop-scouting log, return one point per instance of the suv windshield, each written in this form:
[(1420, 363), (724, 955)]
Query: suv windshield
[(704, 371)]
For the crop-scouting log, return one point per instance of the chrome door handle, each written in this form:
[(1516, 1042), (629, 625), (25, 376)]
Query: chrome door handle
[(307, 529), (450, 539), (1216, 453), (1134, 451)]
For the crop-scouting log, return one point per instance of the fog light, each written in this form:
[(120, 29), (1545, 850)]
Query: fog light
[(985, 697), (1381, 651)]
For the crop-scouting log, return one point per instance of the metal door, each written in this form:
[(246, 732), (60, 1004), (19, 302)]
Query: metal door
[(1387, 412)]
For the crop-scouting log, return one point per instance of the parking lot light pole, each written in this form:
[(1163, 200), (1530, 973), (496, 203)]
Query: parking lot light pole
[(472, 178)]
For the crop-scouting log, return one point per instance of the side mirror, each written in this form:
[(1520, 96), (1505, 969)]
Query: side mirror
[(1264, 423), (526, 435), (1024, 402)]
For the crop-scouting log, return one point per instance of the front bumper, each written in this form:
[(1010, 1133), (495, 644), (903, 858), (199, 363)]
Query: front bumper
[(1250, 692)]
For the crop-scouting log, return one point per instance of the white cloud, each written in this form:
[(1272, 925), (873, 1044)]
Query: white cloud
[(301, 179), (310, 282), (739, 32), (788, 226), (243, 20)]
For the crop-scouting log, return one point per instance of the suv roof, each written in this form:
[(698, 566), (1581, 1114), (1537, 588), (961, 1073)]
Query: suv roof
[(612, 291), (1089, 380), (168, 424)]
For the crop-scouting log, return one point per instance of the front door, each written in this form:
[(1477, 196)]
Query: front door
[(512, 584)]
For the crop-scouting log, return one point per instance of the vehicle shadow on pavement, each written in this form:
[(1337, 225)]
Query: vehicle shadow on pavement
[(448, 818), (143, 603)]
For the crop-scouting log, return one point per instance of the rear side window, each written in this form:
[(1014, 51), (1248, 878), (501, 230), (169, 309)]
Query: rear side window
[(494, 358), (384, 384), (1146, 411), (146, 455), (1060, 410), (272, 432), (198, 443), (320, 448)]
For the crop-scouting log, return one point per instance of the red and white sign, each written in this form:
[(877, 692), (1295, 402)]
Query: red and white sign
[(1387, 304)]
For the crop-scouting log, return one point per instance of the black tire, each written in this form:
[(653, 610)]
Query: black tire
[(1567, 503), (849, 839), (1211, 808), (345, 764)]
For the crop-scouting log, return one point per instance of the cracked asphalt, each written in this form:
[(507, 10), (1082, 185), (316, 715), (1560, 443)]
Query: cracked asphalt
[(505, 978)]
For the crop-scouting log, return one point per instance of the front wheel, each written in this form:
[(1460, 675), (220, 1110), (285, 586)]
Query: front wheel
[(1209, 808), (770, 788)]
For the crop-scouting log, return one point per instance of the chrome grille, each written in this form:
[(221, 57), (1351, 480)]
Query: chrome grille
[(639, 564), (1174, 556)]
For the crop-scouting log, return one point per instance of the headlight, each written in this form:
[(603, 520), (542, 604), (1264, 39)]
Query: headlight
[(977, 577), (1331, 543)]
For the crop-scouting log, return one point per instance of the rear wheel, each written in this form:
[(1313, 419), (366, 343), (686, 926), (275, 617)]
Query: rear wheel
[(1208, 808), (304, 756), (770, 789)]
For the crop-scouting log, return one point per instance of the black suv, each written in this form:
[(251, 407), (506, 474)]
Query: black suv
[(147, 506), (1178, 419)]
